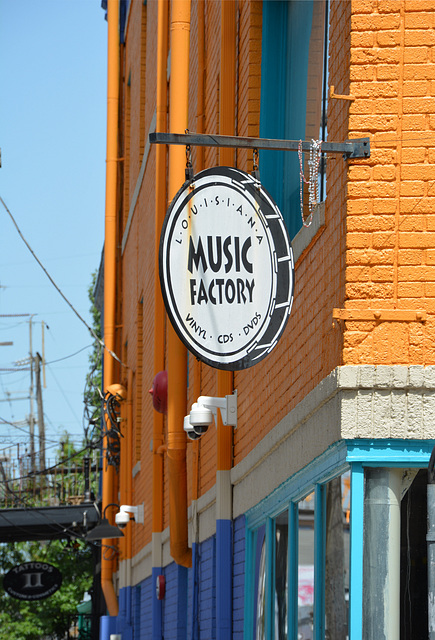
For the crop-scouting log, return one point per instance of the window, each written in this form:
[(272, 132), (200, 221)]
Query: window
[(301, 568), (323, 546), (293, 94)]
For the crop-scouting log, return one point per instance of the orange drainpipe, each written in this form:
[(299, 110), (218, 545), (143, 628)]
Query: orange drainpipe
[(225, 382), (177, 357), (159, 309), (109, 476), (199, 165), (227, 99), (126, 493)]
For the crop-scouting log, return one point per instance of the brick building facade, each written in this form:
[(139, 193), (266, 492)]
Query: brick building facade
[(271, 529)]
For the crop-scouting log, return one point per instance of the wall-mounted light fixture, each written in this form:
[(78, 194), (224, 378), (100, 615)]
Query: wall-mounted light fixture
[(159, 392), (104, 529)]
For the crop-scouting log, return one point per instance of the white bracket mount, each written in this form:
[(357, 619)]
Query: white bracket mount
[(227, 406)]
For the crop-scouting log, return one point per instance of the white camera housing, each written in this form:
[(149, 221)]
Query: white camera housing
[(189, 429), (122, 519), (200, 415), (204, 413), (127, 513)]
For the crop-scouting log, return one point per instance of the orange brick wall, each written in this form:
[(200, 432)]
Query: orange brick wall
[(391, 197), (375, 249)]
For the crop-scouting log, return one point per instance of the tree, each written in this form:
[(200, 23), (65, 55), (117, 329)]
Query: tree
[(49, 618), (92, 394)]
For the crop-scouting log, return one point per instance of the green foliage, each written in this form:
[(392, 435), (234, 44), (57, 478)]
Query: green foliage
[(92, 397), (49, 618)]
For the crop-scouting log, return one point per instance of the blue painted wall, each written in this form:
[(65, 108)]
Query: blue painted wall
[(189, 606), (238, 577), (207, 589)]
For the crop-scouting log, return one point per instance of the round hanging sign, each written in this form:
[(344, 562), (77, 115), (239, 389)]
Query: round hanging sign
[(226, 268), (32, 581)]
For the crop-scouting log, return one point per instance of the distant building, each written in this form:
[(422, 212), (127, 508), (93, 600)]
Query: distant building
[(308, 519)]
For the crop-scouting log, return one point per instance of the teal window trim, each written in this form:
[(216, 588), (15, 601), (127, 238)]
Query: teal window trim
[(286, 33), (322, 469), (340, 457), (270, 576), (387, 452), (293, 554), (273, 94), (356, 551), (319, 561)]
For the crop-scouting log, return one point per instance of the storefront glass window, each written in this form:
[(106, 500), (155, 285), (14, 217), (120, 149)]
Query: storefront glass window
[(306, 567), (281, 576), (337, 557)]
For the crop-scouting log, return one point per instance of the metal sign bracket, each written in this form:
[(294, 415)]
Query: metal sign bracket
[(355, 148)]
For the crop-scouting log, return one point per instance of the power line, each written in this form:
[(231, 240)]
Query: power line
[(90, 329), (70, 356)]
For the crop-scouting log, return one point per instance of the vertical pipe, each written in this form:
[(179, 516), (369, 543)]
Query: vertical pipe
[(356, 551), (381, 581), (319, 559), (124, 613), (292, 568), (159, 314), (431, 559), (195, 445), (227, 77), (128, 495), (200, 7), (270, 578), (177, 357), (430, 538), (110, 263)]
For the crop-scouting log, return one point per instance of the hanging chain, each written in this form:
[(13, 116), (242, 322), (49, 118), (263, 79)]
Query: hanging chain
[(313, 180), (189, 167), (255, 160), (255, 165)]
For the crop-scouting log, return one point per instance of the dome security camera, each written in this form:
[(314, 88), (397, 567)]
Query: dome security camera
[(204, 412), (127, 513), (122, 518), (190, 431), (200, 417)]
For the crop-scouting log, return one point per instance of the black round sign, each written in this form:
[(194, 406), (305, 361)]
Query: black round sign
[(32, 581), (226, 268)]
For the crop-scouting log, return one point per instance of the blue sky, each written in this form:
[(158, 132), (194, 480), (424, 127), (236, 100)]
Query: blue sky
[(53, 143)]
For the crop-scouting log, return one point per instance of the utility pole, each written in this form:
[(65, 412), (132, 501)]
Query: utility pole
[(31, 416), (41, 426)]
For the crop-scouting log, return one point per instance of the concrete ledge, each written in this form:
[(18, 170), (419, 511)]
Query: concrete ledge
[(352, 402), (361, 401)]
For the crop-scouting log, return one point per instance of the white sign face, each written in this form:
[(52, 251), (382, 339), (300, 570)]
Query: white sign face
[(226, 268)]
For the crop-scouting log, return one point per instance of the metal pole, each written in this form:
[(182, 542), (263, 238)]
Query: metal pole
[(41, 426), (381, 578), (32, 416), (355, 148), (431, 546)]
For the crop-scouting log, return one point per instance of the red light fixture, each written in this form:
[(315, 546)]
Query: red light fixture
[(159, 392)]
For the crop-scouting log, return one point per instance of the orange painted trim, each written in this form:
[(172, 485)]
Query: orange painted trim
[(200, 118), (125, 467), (109, 476), (227, 106), (159, 310), (227, 75), (177, 355), (200, 99)]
